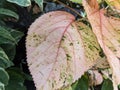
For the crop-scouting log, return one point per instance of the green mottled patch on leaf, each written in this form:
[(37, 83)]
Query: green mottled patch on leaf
[(90, 43)]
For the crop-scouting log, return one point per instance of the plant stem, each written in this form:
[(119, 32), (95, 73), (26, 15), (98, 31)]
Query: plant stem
[(68, 7)]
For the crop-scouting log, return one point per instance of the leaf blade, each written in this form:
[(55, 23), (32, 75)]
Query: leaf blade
[(4, 60), (60, 48), (40, 3), (23, 3), (107, 37), (5, 36), (107, 85), (4, 76), (8, 12), (2, 86)]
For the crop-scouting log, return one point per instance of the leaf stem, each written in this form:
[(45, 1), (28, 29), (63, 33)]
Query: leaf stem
[(69, 7)]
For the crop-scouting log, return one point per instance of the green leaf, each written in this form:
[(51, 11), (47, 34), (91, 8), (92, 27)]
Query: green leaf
[(8, 48), (4, 77), (119, 86), (2, 86), (8, 12), (27, 77), (16, 34), (20, 73), (40, 3), (5, 36), (81, 84), (2, 2), (16, 81), (23, 3), (77, 1), (9, 45), (107, 85), (15, 85), (2, 23), (4, 61)]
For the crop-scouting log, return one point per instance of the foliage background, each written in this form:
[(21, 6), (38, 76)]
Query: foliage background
[(15, 18)]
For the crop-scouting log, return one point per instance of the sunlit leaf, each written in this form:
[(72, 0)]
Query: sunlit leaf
[(8, 12), (107, 31), (23, 3)]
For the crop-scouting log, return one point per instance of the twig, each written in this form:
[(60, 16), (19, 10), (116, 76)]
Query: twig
[(68, 7)]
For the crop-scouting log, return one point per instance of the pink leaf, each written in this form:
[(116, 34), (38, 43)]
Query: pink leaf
[(50, 60), (56, 53), (107, 32)]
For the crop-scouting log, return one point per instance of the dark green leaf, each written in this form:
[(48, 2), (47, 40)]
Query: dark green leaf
[(107, 85), (14, 85), (5, 36), (23, 3), (16, 34), (8, 45), (2, 23), (2, 86), (2, 2), (8, 12), (10, 50), (119, 86), (15, 74), (27, 77), (20, 73), (81, 84), (40, 3), (4, 61), (4, 77), (16, 80)]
